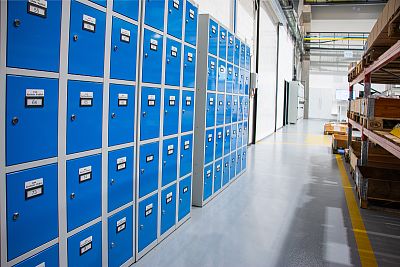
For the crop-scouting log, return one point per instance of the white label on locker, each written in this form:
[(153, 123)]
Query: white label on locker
[(172, 100), (37, 7), (34, 98), (121, 225), (170, 149), (89, 23), (34, 188), (149, 210), (219, 135), (208, 173), (85, 174), (34, 102), (210, 138), (223, 35), (213, 29), (188, 100), (86, 245), (151, 100), (211, 101), (43, 264), (190, 57), (153, 44), (121, 163), (149, 158), (168, 199), (174, 51), (125, 35), (187, 145), (212, 64), (34, 92), (122, 100), (191, 13), (227, 132), (86, 99), (185, 189), (218, 167), (176, 4)]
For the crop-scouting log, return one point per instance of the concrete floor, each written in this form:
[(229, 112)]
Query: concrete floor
[(288, 209)]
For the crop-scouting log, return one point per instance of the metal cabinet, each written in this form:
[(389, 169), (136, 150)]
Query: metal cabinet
[(244, 158), (238, 161), (48, 257), (147, 220), (154, 13), (123, 50), (185, 196), (247, 83), (152, 56), (229, 78), (86, 40), (171, 112), (241, 81), (227, 139), (191, 18), (243, 55), (235, 107), (218, 175), (189, 67), (84, 116), (245, 134), (220, 109), (219, 142), (212, 73), (33, 35), (83, 190), (236, 58), (128, 8), (121, 118), (120, 237), (213, 37), (186, 154), (169, 160), (228, 109), (175, 16), (32, 197), (246, 108), (150, 113), (225, 173), (222, 43), (148, 168), (236, 80), (173, 63), (232, 166), (240, 108), (31, 119), (209, 146), (210, 110), (239, 134), (233, 137), (100, 2), (84, 248), (221, 76), (187, 111), (168, 208), (231, 47), (247, 65), (120, 177), (208, 181)]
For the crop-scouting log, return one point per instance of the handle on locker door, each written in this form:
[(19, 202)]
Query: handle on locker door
[(115, 48), (112, 181), (169, 11), (146, 55), (182, 156), (141, 171), (165, 163), (141, 226), (17, 22), (15, 120), (184, 65), (144, 113), (72, 196), (73, 117), (113, 245), (168, 60), (166, 111), (15, 216), (180, 200), (163, 212), (75, 37), (183, 111), (113, 115)]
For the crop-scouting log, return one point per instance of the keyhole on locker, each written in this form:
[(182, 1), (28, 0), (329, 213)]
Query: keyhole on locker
[(15, 120), (15, 216), (75, 37), (113, 115), (17, 23)]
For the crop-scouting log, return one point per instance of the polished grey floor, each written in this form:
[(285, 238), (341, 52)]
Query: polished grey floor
[(288, 209)]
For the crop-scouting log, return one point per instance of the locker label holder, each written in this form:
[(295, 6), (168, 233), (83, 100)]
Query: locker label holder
[(121, 164), (85, 174), (121, 225), (190, 57), (88, 23), (153, 44), (185, 189), (170, 150), (34, 98), (168, 199), (125, 36), (176, 4), (148, 210), (122, 100), (186, 145), (149, 158), (151, 100), (37, 8), (188, 101), (34, 188), (85, 245), (174, 51), (171, 100), (86, 99), (191, 13)]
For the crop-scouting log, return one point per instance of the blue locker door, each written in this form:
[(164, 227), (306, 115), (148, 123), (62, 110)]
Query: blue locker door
[(222, 43), (32, 198), (86, 44), (244, 158), (217, 175), (154, 13), (185, 194), (150, 113), (227, 140), (228, 109), (128, 8), (221, 75), (246, 83), (48, 257), (175, 16), (209, 146), (191, 23), (84, 248), (229, 78), (245, 133), (237, 52), (31, 114), (225, 178), (169, 161), (220, 109), (210, 110), (232, 166), (173, 63), (208, 181), (171, 111), (213, 37), (33, 40), (235, 108), (148, 168), (233, 137), (240, 111), (189, 67), (152, 56), (84, 116), (83, 190), (121, 120), (248, 58), (231, 48), (239, 135), (236, 80), (242, 55), (168, 208), (123, 50), (238, 161), (187, 111), (120, 237), (241, 81), (147, 232), (245, 108), (100, 2), (120, 177), (186, 155), (219, 142), (212, 73)]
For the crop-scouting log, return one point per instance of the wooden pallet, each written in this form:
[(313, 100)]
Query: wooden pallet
[(378, 123)]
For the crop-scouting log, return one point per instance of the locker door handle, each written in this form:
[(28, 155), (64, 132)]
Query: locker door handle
[(142, 171), (166, 111), (17, 23), (180, 200), (146, 55), (185, 65), (169, 11), (112, 181), (181, 156), (15, 216), (15, 120), (72, 196), (183, 111), (113, 115), (187, 21), (75, 37), (113, 245), (141, 226), (115, 48), (144, 114), (168, 60), (163, 212), (165, 163), (73, 117)]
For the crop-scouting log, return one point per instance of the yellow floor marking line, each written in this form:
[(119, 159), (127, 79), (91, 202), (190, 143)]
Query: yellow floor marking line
[(365, 251)]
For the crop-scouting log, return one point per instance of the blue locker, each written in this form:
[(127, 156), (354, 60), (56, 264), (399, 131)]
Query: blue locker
[(168, 208), (48, 257), (31, 114), (147, 232), (221, 75), (240, 108), (227, 140), (225, 178), (123, 50), (244, 158), (219, 142), (232, 166), (187, 111), (228, 109), (210, 110), (217, 175), (32, 198), (100, 2), (175, 17), (120, 177), (173, 63), (248, 58), (84, 248), (186, 155), (241, 81), (245, 133), (243, 55), (237, 52), (185, 194), (231, 47), (150, 113), (239, 135), (33, 35), (171, 111), (212, 73), (148, 168), (154, 13), (238, 161), (189, 67), (209, 146), (169, 161), (229, 78), (246, 83), (83, 190), (233, 137), (220, 109), (84, 116), (128, 8), (213, 37), (86, 44), (208, 181), (120, 237), (235, 108), (246, 107), (121, 120), (191, 23), (222, 43), (236, 80), (152, 56)]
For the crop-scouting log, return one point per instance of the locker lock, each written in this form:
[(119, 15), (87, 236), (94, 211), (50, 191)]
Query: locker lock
[(142, 171), (141, 226), (75, 37), (163, 212), (113, 115), (112, 181), (187, 21), (17, 22), (168, 60), (185, 65), (169, 11), (183, 111), (72, 196), (180, 200), (144, 114), (73, 117), (15, 216), (165, 163), (115, 48), (15, 120), (146, 55), (165, 111), (113, 245), (181, 156)]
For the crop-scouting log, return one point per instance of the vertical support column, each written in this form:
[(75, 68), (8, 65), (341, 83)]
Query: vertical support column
[(364, 139), (350, 126)]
